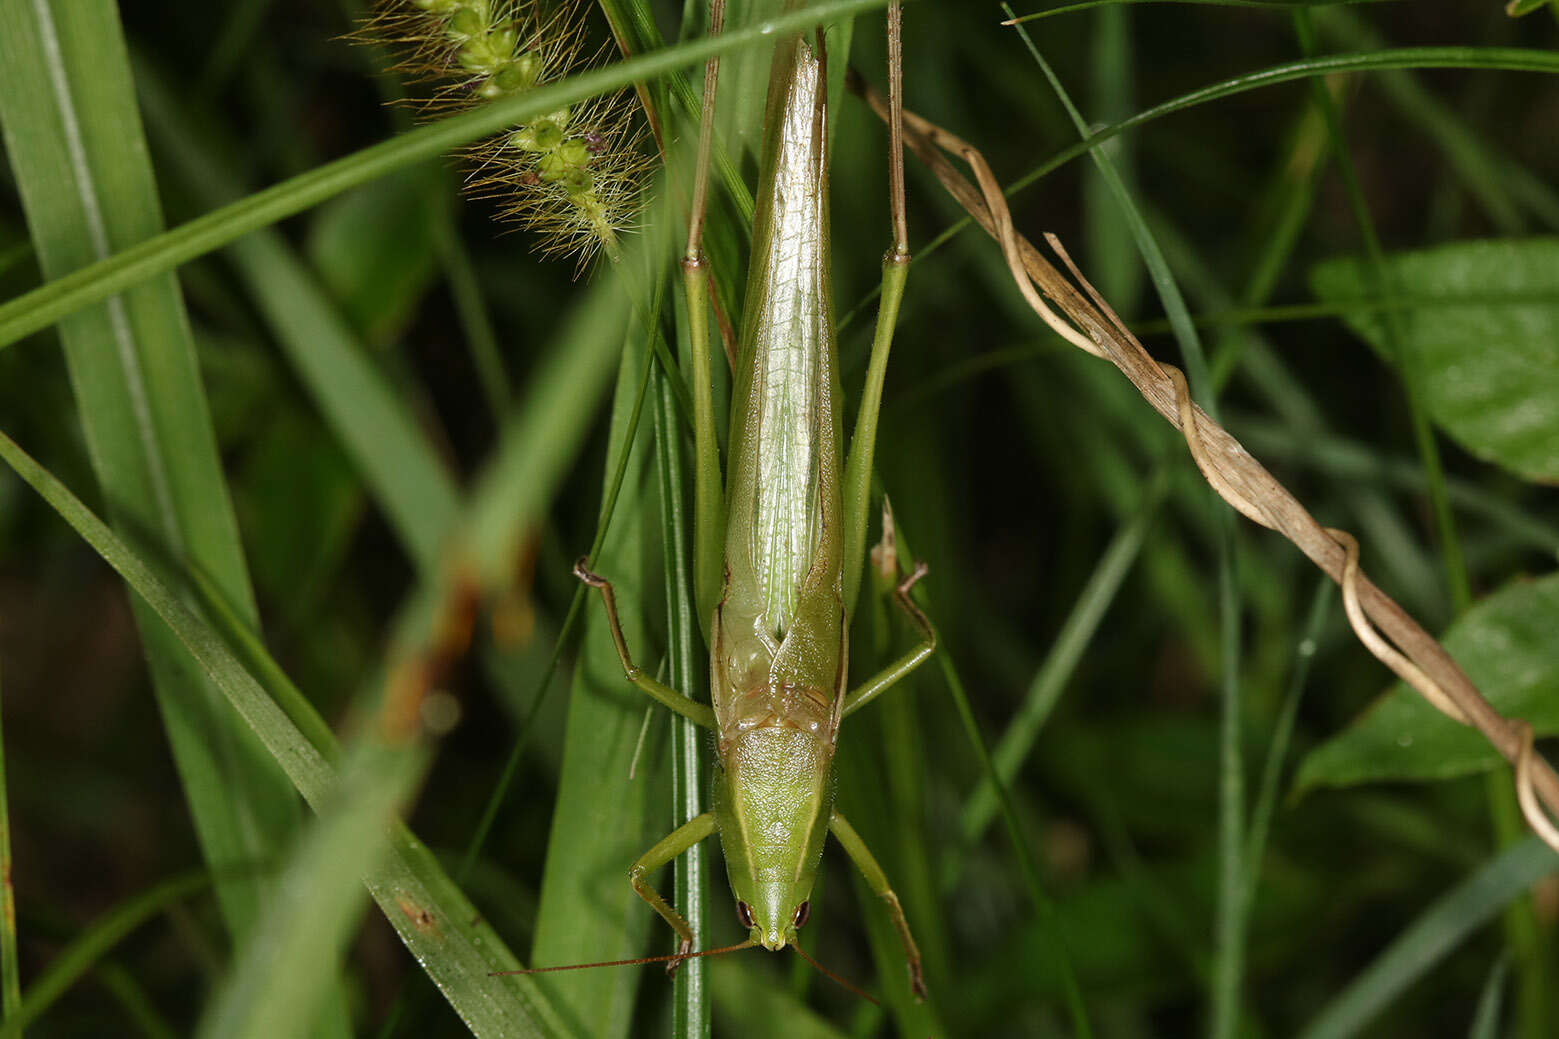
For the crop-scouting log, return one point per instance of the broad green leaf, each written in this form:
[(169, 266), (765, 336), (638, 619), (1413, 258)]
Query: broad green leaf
[(1506, 645), (1486, 354), (75, 145), (439, 925)]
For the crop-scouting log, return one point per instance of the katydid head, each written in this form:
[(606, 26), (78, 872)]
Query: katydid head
[(773, 800)]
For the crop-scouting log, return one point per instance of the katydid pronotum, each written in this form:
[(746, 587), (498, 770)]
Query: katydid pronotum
[(779, 548)]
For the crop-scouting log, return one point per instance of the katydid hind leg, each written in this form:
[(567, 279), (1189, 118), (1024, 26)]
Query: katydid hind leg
[(895, 272), (667, 848), (693, 711), (708, 492), (877, 880), (889, 676)]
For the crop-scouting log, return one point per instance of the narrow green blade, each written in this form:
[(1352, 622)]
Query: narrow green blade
[(437, 922), (74, 141), (588, 911)]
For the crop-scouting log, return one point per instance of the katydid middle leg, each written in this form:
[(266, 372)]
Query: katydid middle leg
[(889, 676), (667, 848), (697, 713)]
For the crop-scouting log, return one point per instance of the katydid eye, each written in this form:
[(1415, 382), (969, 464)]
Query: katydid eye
[(803, 911), (744, 914)]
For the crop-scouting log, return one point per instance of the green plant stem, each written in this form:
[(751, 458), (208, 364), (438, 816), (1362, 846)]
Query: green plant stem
[(690, 995)]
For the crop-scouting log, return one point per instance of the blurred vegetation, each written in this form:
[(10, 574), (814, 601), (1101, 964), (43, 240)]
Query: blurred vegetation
[(393, 372)]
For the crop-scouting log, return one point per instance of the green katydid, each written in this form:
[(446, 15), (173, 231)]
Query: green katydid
[(779, 550)]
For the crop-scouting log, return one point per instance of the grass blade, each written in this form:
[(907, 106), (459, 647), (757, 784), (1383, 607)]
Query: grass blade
[(1049, 682), (280, 977), (411, 484), (429, 912), (601, 819), (1510, 59), (74, 141), (690, 995), (61, 296)]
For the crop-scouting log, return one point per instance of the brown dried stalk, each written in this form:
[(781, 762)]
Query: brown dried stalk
[(1233, 473)]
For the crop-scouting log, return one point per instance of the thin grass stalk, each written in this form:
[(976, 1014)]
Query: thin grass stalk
[(135, 1002), (1503, 186), (1282, 734), (471, 311), (690, 993), (1510, 59)]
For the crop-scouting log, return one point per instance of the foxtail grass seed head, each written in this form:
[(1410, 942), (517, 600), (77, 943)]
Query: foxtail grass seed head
[(572, 175)]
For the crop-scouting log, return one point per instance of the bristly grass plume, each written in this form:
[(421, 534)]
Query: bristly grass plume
[(573, 175)]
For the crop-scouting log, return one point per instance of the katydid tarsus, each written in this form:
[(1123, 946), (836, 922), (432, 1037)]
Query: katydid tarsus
[(779, 546)]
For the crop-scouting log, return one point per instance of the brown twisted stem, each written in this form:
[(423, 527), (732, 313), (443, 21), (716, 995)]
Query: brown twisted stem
[(1236, 476)]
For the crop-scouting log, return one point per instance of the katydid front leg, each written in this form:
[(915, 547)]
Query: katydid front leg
[(877, 880), (666, 849), (885, 679), (697, 713)]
